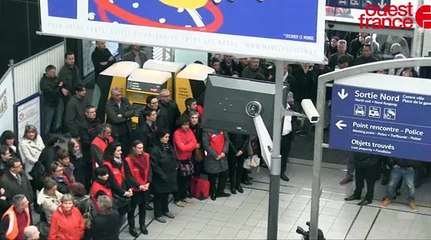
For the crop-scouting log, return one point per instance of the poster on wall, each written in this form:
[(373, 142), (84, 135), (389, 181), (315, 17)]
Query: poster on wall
[(28, 112), (6, 102), (276, 29)]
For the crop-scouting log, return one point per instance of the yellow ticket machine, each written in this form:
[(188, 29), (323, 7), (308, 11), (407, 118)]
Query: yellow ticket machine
[(144, 82), (173, 67), (114, 76), (190, 83)]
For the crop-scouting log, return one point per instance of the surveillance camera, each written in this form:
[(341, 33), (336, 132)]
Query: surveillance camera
[(310, 110)]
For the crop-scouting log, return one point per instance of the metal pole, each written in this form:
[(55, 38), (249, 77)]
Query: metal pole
[(12, 66), (274, 180), (318, 140)]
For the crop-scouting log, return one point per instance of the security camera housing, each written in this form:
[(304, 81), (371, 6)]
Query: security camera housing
[(227, 104), (310, 110)]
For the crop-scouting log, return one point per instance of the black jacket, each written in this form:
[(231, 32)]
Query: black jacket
[(147, 135), (164, 167), (123, 123), (106, 225), (238, 142), (98, 56), (366, 160), (50, 91), (12, 187), (172, 114)]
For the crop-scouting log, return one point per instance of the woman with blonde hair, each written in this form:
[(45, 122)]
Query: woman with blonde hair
[(67, 221)]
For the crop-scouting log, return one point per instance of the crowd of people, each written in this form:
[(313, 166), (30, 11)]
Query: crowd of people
[(110, 167)]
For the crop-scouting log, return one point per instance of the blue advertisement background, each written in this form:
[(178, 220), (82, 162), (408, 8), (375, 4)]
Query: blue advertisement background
[(412, 116), (276, 19)]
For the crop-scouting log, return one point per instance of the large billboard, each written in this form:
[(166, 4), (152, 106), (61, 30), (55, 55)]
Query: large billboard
[(277, 29)]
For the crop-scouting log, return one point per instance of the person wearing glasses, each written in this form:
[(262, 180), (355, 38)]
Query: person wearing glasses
[(15, 181)]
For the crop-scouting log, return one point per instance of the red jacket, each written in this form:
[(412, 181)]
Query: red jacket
[(185, 142), (140, 175), (66, 226), (96, 187), (119, 174)]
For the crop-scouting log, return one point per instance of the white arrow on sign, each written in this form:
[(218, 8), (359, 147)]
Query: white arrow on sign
[(343, 94), (340, 124)]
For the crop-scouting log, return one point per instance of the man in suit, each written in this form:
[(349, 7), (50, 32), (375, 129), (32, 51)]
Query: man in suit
[(14, 181)]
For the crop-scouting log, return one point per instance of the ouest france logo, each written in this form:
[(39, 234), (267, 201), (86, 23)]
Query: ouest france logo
[(395, 17)]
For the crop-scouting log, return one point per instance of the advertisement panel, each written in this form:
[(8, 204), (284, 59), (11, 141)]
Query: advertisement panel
[(28, 112), (276, 29), (6, 102)]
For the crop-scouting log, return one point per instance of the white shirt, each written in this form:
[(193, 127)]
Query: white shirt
[(287, 123)]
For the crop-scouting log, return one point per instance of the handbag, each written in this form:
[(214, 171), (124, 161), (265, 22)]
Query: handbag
[(251, 161), (88, 216), (199, 154), (186, 169), (120, 202)]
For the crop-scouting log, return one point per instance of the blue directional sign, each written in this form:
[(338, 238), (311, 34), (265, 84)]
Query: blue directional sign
[(359, 4), (381, 122)]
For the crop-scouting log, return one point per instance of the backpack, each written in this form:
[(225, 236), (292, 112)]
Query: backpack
[(38, 174)]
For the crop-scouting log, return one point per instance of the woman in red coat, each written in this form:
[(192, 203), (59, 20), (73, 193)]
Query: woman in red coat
[(185, 143), (67, 221)]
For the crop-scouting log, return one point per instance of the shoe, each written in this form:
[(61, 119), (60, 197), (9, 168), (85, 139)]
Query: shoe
[(364, 202), (346, 180), (353, 197), (232, 190), (246, 182), (133, 232), (169, 214), (386, 202), (160, 219), (239, 188), (149, 208), (180, 203), (187, 200), (213, 197), (223, 194), (284, 177), (143, 230), (412, 205)]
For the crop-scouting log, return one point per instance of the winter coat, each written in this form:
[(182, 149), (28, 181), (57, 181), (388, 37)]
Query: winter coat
[(106, 225), (74, 116), (212, 165), (30, 152), (66, 226), (164, 167), (50, 91), (185, 142), (49, 203), (12, 187)]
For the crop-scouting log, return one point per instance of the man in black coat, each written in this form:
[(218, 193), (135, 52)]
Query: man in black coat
[(51, 89), (170, 108), (15, 181), (119, 112), (146, 131), (367, 168)]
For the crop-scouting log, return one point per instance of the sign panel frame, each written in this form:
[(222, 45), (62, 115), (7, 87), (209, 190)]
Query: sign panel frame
[(305, 45)]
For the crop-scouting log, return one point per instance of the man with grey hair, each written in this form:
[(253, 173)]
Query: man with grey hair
[(136, 55), (119, 114), (15, 219), (169, 108), (106, 221), (31, 233)]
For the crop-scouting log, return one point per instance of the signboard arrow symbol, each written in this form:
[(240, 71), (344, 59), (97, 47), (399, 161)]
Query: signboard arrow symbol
[(340, 124), (343, 94)]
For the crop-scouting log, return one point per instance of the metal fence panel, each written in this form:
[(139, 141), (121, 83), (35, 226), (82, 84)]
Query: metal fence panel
[(27, 73)]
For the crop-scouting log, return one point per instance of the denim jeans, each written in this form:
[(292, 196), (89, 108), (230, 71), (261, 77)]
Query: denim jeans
[(408, 174)]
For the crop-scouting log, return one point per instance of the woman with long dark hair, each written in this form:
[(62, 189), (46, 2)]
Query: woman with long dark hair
[(7, 138), (164, 167), (82, 171), (120, 178), (139, 165)]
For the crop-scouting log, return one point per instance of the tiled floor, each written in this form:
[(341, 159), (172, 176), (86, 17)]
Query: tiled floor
[(244, 216)]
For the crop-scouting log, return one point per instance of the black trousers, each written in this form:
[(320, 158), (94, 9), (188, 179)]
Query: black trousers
[(236, 169), (139, 199), (183, 183), (217, 187), (160, 202), (104, 84), (368, 174), (286, 145)]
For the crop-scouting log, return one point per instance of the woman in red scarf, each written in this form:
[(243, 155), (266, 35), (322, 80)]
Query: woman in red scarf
[(139, 165)]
